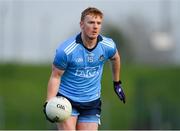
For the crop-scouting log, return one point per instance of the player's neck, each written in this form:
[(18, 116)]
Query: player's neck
[(88, 42)]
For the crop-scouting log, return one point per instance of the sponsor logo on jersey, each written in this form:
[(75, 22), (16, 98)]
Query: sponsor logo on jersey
[(87, 72)]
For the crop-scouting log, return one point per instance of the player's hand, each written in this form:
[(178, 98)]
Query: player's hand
[(44, 110), (119, 91)]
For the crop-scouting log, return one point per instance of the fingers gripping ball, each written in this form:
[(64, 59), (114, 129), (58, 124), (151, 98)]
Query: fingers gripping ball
[(58, 109)]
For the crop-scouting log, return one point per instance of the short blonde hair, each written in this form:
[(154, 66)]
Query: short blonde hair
[(91, 11)]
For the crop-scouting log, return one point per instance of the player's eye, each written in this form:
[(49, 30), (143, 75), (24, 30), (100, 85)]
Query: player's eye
[(91, 22), (99, 23)]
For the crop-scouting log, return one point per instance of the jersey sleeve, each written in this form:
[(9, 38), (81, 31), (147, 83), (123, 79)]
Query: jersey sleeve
[(113, 50), (60, 59), (110, 47)]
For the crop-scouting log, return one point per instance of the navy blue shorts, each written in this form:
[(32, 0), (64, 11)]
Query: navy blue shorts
[(86, 111)]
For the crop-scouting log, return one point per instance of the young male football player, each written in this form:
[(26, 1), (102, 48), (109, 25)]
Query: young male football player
[(77, 71)]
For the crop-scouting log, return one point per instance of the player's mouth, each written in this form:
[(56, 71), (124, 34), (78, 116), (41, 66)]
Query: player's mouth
[(94, 32)]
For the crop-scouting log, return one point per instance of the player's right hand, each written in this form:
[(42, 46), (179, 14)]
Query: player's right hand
[(44, 110)]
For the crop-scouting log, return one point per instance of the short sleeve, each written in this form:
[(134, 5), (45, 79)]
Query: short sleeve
[(110, 47), (112, 50), (60, 59)]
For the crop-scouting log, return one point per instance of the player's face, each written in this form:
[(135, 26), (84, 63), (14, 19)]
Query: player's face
[(91, 26)]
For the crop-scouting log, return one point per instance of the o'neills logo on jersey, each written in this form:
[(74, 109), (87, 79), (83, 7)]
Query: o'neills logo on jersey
[(78, 60), (87, 72)]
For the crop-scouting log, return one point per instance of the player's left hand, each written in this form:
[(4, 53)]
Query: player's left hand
[(44, 110), (119, 91)]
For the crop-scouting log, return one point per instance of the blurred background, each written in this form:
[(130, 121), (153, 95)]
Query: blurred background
[(146, 33)]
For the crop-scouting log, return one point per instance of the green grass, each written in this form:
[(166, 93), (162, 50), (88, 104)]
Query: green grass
[(22, 92), (152, 98)]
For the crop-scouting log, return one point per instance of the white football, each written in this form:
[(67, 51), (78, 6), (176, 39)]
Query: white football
[(58, 109)]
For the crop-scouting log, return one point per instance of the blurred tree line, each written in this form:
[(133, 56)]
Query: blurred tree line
[(121, 40), (155, 88)]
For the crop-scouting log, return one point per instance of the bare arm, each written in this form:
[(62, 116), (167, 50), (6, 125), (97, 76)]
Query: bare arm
[(115, 60), (116, 78), (54, 81)]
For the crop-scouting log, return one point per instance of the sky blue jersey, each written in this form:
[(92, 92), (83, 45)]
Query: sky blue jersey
[(81, 81)]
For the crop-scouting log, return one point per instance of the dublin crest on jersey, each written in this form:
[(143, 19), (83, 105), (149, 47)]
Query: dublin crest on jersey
[(101, 58)]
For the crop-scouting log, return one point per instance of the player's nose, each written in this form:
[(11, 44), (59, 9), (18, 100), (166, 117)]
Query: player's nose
[(95, 26)]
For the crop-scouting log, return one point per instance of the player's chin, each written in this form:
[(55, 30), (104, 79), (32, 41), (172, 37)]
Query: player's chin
[(94, 36)]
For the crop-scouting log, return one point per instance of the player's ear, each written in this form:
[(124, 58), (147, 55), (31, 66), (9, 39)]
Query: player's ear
[(81, 24)]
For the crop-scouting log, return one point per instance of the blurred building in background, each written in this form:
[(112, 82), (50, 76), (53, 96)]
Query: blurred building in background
[(31, 30)]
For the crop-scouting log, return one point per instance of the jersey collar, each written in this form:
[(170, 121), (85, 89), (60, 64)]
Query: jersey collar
[(79, 40)]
